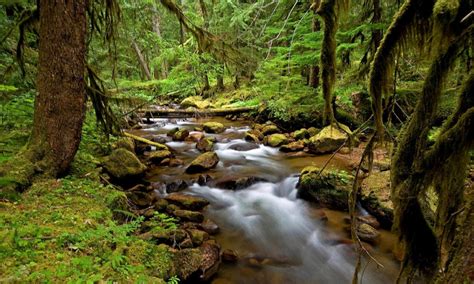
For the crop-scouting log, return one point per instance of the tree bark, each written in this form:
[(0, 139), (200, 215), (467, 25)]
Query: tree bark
[(157, 30), (142, 61), (60, 102), (313, 80), (328, 13)]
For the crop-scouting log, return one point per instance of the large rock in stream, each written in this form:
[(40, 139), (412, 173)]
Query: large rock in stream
[(213, 127), (328, 140), (203, 162), (276, 140), (122, 164), (197, 264), (187, 202), (205, 145), (329, 188)]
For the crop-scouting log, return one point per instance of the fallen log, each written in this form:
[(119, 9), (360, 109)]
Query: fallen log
[(158, 146), (195, 112)]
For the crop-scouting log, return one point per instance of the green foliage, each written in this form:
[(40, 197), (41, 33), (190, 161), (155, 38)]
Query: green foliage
[(62, 231)]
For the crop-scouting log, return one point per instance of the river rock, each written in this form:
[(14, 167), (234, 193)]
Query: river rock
[(176, 185), (160, 205), (157, 156), (180, 135), (370, 220), (293, 147), (330, 188), (195, 137), (276, 140), (229, 256), (313, 131), (205, 145), (244, 146), (171, 132), (195, 102), (188, 215), (270, 129), (164, 236), (210, 227), (367, 233), (126, 143), (211, 259), (122, 164), (141, 199), (235, 183), (204, 179), (203, 163), (327, 141), (213, 127), (159, 139), (194, 265), (175, 162), (187, 202), (198, 236), (303, 133), (375, 197)]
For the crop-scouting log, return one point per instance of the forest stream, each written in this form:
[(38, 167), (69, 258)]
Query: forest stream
[(277, 237)]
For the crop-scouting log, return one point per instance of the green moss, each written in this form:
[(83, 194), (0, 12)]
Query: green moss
[(123, 164), (63, 231)]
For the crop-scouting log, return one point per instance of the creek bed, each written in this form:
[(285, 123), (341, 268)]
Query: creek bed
[(278, 238)]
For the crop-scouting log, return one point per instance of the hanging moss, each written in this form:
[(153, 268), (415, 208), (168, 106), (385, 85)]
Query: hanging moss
[(411, 175), (410, 25)]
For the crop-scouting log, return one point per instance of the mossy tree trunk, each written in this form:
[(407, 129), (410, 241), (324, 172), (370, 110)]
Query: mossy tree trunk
[(416, 167), (313, 80), (60, 102), (327, 11), (408, 26)]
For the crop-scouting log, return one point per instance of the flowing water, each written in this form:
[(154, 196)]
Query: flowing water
[(279, 239)]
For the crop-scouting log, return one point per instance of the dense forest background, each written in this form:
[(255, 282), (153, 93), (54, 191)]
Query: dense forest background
[(403, 68)]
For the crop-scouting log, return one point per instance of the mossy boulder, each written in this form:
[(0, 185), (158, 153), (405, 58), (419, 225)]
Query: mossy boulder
[(205, 145), (330, 188), (327, 141), (198, 236), (203, 162), (367, 233), (188, 215), (213, 127), (313, 131), (193, 265), (253, 136), (125, 143), (180, 135), (375, 197), (158, 156), (276, 140), (270, 129), (293, 147), (187, 202), (195, 102), (171, 132), (303, 133), (122, 164)]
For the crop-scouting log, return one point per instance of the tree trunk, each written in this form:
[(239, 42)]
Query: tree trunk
[(313, 80), (60, 102), (157, 30), (328, 13), (142, 60)]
